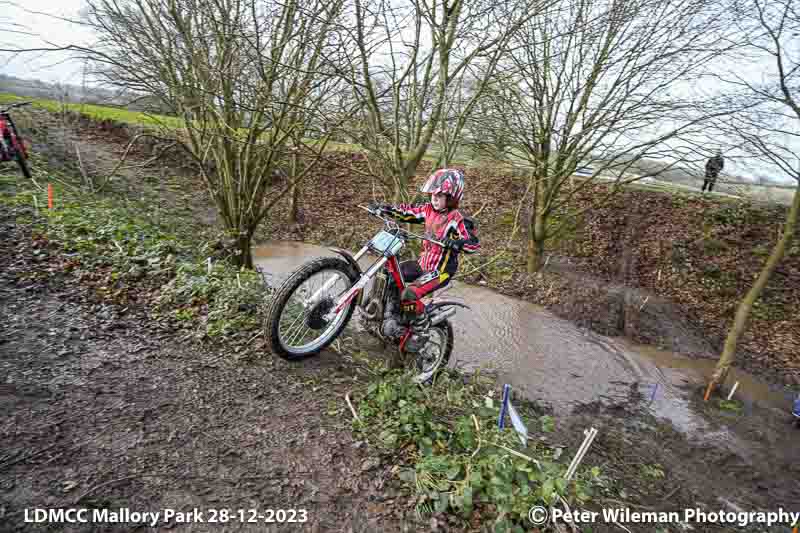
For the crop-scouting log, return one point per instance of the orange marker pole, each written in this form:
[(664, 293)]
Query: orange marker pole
[(796, 529), (50, 196), (708, 392)]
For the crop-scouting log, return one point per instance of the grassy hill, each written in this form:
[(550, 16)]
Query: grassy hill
[(96, 112)]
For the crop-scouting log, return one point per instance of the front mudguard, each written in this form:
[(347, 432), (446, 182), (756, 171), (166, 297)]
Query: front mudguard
[(349, 258), (356, 268)]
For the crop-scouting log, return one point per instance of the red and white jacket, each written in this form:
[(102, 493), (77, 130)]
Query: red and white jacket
[(448, 224)]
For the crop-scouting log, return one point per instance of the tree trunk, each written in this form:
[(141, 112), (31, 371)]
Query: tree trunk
[(294, 193), (746, 305), (294, 200), (245, 256), (406, 174), (536, 234), (535, 254)]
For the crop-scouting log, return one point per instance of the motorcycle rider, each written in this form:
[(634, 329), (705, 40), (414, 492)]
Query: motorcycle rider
[(443, 222)]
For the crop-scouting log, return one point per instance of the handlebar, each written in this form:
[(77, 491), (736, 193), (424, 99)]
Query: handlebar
[(12, 106), (405, 232)]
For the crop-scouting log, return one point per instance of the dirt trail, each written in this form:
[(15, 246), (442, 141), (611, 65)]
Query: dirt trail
[(102, 408)]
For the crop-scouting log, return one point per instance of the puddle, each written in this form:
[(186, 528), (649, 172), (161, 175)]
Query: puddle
[(551, 360)]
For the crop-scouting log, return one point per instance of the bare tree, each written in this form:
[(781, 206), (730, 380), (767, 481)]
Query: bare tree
[(8, 26), (239, 74), (601, 84), (314, 123), (770, 131), (462, 101), (408, 58)]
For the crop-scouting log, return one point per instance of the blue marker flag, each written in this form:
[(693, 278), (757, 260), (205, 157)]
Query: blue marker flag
[(516, 420), (501, 422)]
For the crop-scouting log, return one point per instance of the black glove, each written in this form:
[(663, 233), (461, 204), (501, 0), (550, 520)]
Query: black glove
[(377, 207), (453, 244)]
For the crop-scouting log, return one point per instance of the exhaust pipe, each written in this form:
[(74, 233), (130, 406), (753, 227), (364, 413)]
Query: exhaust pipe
[(442, 315), (372, 310)]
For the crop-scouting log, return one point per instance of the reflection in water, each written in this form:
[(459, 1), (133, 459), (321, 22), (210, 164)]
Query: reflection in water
[(549, 359)]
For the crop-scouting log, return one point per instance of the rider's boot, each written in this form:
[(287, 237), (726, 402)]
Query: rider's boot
[(415, 315)]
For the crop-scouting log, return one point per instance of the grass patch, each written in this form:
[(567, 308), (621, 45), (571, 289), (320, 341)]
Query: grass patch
[(731, 406), (97, 112)]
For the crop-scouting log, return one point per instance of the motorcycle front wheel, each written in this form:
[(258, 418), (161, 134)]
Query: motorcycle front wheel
[(435, 355), (295, 326)]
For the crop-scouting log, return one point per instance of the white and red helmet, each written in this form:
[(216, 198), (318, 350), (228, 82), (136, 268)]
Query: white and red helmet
[(449, 181)]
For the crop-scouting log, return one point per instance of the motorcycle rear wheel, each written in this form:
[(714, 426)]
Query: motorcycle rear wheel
[(23, 165), (311, 320), (429, 364)]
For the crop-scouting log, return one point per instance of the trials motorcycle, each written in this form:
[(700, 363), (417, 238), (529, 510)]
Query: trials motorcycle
[(313, 306)]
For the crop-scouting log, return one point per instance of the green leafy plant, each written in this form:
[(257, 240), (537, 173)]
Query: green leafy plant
[(233, 299), (457, 460), (654, 471), (730, 405), (117, 244)]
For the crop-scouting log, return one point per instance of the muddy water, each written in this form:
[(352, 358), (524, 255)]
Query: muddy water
[(550, 359)]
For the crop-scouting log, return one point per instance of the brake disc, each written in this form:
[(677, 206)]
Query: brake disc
[(315, 318)]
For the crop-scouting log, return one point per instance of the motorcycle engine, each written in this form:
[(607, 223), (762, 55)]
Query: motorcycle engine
[(392, 326)]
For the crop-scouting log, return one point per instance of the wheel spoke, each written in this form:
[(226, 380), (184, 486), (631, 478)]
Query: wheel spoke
[(299, 317), (431, 358), (294, 331), (301, 329)]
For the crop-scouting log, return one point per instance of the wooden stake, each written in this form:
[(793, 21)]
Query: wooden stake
[(730, 395), (352, 409), (50, 196)]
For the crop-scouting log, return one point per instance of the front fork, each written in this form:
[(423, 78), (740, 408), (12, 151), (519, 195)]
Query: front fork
[(359, 286)]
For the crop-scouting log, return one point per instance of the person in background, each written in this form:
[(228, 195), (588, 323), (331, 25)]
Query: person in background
[(713, 167)]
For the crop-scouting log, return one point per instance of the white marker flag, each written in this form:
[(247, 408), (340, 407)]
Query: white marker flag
[(518, 424)]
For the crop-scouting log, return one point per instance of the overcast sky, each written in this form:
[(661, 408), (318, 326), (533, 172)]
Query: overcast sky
[(47, 31), (41, 19)]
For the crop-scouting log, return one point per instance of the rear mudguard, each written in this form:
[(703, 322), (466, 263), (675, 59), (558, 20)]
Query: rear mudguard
[(437, 305)]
